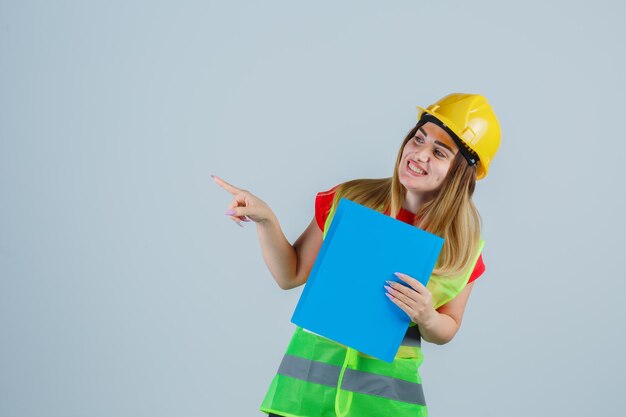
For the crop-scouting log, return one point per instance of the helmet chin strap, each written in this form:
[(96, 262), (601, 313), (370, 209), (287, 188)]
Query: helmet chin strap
[(469, 155)]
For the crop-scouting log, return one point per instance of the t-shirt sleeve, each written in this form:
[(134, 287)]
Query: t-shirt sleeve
[(479, 268), (323, 203)]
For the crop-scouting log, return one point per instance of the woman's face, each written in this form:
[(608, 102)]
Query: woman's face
[(426, 158)]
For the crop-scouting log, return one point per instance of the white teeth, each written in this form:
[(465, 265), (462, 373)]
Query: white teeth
[(416, 169)]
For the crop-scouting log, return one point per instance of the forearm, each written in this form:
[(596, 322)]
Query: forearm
[(279, 255), (440, 329)]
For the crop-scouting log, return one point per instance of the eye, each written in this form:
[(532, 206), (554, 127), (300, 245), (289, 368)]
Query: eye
[(418, 139), (440, 154)]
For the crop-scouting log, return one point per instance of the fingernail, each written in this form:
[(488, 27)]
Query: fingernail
[(389, 296), (388, 288), (397, 274), (229, 212)]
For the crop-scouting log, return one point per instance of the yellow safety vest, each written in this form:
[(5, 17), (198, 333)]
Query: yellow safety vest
[(321, 378)]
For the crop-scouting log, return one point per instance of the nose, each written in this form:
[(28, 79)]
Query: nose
[(421, 155)]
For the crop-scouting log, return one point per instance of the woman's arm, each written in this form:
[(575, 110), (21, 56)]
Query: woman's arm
[(447, 319), (436, 326), (290, 265)]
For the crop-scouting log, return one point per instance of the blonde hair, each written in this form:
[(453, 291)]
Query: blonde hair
[(451, 214)]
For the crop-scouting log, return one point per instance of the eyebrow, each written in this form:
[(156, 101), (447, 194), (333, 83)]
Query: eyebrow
[(437, 142)]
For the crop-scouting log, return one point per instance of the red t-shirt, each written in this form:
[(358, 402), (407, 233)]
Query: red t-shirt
[(324, 200)]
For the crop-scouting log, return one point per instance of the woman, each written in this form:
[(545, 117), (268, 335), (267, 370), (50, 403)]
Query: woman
[(432, 185)]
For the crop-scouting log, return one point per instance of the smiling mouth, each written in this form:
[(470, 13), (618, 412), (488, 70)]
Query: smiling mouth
[(415, 169)]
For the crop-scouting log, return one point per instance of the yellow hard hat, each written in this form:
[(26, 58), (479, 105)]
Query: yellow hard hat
[(472, 119)]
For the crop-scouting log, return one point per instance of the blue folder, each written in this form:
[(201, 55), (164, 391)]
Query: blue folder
[(344, 297)]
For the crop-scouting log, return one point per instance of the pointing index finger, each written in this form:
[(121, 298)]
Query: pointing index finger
[(228, 187)]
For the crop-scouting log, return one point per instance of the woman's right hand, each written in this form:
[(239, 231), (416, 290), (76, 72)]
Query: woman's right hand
[(245, 206)]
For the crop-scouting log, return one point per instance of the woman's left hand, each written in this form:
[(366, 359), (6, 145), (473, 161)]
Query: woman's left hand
[(416, 301)]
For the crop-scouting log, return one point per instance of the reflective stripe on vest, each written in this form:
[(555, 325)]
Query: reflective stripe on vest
[(353, 380)]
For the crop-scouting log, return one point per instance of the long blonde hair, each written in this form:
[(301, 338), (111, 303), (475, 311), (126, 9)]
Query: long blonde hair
[(451, 214)]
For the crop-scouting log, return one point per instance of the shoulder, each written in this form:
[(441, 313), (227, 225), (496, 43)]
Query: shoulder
[(328, 193), (323, 203), (479, 268)]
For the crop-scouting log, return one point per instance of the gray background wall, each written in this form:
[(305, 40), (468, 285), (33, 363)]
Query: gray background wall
[(124, 290)]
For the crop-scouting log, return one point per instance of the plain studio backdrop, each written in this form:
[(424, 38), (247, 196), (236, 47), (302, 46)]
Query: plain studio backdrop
[(125, 291)]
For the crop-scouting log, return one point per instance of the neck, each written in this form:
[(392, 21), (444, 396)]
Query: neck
[(413, 202)]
